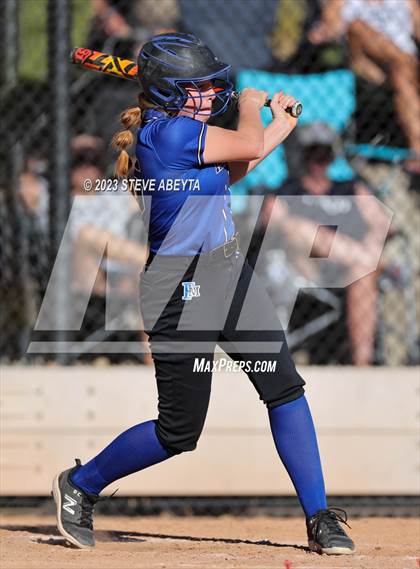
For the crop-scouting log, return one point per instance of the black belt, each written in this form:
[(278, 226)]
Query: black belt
[(223, 252)]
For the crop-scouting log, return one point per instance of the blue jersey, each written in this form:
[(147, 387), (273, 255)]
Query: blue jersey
[(187, 202)]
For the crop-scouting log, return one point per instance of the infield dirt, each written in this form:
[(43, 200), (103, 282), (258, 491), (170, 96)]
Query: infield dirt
[(32, 541)]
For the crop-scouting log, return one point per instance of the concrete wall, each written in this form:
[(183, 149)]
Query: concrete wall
[(367, 422)]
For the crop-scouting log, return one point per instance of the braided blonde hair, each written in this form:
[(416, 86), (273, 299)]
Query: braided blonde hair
[(130, 118)]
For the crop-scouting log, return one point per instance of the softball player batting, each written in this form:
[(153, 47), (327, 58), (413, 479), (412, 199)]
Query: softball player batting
[(195, 274)]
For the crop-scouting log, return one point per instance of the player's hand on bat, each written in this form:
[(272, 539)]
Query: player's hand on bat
[(252, 96), (279, 103)]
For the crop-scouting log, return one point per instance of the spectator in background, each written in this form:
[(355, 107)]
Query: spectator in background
[(34, 196), (111, 19), (296, 224), (100, 221), (380, 36), (237, 31), (288, 29), (121, 27), (131, 19), (33, 188), (291, 48), (23, 254), (158, 17)]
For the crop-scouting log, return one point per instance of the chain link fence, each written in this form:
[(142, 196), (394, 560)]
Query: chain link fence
[(353, 64)]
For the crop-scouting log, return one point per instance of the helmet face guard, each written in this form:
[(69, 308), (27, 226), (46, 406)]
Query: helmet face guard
[(221, 85), (171, 65)]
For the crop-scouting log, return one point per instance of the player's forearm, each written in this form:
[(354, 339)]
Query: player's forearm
[(250, 127), (274, 134)]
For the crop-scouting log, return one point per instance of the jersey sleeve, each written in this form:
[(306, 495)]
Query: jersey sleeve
[(179, 143)]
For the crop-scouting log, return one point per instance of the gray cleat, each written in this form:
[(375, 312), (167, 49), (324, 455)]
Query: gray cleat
[(325, 535), (74, 510)]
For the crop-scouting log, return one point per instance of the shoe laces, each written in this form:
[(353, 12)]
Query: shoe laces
[(87, 506), (331, 517)]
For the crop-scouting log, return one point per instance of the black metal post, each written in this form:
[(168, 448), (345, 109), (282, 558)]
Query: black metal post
[(9, 43), (17, 295), (59, 26)]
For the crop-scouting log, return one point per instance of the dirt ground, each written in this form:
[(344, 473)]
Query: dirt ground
[(29, 541)]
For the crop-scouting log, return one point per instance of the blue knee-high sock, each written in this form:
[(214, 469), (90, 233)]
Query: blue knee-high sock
[(294, 434), (133, 450)]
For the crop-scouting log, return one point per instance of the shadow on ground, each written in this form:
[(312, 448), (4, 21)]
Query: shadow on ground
[(54, 538)]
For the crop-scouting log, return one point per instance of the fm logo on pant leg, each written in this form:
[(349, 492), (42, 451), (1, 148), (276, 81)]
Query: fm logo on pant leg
[(191, 290)]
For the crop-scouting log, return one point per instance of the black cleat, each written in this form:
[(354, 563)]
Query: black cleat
[(325, 535), (74, 510)]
